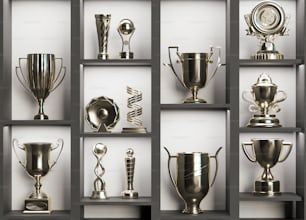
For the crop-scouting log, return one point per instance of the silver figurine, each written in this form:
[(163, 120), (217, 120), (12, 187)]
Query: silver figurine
[(126, 30), (103, 26)]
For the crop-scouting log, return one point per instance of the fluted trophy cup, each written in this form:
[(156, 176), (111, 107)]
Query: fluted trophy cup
[(41, 77), (192, 181), (194, 70), (103, 25), (37, 164), (267, 153)]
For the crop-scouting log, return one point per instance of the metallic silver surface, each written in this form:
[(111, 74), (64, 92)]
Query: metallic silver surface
[(103, 25), (126, 30), (40, 77), (192, 182), (99, 150), (267, 153), (102, 113), (194, 70), (37, 164), (130, 193)]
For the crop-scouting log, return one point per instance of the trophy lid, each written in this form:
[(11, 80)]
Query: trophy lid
[(264, 80)]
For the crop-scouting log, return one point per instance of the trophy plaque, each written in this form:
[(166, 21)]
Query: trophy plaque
[(103, 25), (126, 30), (37, 164), (263, 101), (266, 21), (192, 181), (40, 77), (266, 152)]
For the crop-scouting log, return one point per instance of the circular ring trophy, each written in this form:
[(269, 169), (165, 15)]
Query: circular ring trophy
[(126, 30), (266, 21)]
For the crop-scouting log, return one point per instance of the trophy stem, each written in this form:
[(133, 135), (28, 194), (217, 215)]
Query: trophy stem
[(41, 115), (37, 185), (194, 98), (267, 175)]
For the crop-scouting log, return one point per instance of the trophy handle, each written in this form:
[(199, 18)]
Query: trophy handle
[(246, 97), (60, 76), (211, 48), (275, 108), (171, 63), (217, 165), (284, 96), (20, 75), (244, 145), (170, 174), (288, 152), (16, 144), (60, 142)]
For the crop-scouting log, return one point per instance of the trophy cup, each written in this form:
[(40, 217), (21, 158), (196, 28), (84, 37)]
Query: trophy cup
[(133, 115), (130, 193), (266, 21), (266, 152), (103, 25), (99, 151), (40, 77), (37, 164), (194, 71), (192, 181), (263, 100), (126, 30)]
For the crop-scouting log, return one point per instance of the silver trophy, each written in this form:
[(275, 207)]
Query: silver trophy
[(99, 150), (192, 181), (103, 25), (130, 193), (40, 77), (126, 30), (194, 70), (266, 152), (263, 99), (37, 164), (267, 21)]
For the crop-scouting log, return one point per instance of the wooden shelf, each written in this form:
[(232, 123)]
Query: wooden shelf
[(284, 197)]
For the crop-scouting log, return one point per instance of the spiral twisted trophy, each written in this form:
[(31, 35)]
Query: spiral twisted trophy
[(133, 115), (130, 167), (99, 151), (103, 25)]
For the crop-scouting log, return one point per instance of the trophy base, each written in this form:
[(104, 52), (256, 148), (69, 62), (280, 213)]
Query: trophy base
[(192, 100), (129, 194), (127, 55), (268, 55), (41, 117), (193, 210), (42, 206), (267, 188), (134, 130), (102, 56), (98, 195), (264, 121)]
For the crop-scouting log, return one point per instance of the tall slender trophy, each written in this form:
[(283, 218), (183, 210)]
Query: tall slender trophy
[(130, 193), (40, 77), (126, 30), (263, 101), (99, 151), (103, 25), (194, 70), (37, 164), (266, 152), (267, 21), (133, 116), (192, 181)]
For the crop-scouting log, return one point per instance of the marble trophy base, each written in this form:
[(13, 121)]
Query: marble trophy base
[(127, 55), (268, 55), (267, 188), (129, 194), (264, 121), (98, 195), (134, 130), (37, 206)]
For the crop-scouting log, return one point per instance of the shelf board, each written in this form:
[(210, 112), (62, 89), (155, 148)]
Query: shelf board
[(284, 197), (99, 134), (270, 219), (38, 122), (206, 215), (65, 214), (116, 62), (270, 130), (201, 106), (141, 201), (286, 62)]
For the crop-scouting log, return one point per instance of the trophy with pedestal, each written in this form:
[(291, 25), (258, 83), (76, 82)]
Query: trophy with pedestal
[(126, 30)]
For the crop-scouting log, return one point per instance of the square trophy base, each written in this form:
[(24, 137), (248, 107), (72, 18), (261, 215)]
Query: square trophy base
[(134, 130), (268, 55), (264, 121), (41, 206), (267, 188)]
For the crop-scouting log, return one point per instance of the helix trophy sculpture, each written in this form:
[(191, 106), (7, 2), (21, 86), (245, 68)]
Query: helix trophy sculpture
[(103, 26), (126, 30)]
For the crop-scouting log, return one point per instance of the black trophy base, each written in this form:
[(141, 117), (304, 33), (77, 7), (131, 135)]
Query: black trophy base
[(267, 188), (129, 194), (37, 206), (264, 121), (127, 55), (134, 130), (268, 55)]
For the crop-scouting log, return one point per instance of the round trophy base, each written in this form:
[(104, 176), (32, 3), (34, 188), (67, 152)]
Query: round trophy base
[(126, 55), (192, 210), (98, 195), (265, 121), (134, 130), (41, 117), (192, 100), (268, 55), (129, 194), (267, 188), (102, 56)]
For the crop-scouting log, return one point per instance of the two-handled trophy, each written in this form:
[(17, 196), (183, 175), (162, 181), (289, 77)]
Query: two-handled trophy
[(192, 180), (103, 26), (267, 21), (126, 30), (194, 70), (263, 101), (37, 164), (267, 153), (40, 77)]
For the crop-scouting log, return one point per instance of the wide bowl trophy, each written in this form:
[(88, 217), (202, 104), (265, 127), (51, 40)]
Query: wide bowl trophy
[(37, 164), (267, 21), (192, 180), (194, 70), (40, 77), (267, 153), (263, 101)]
